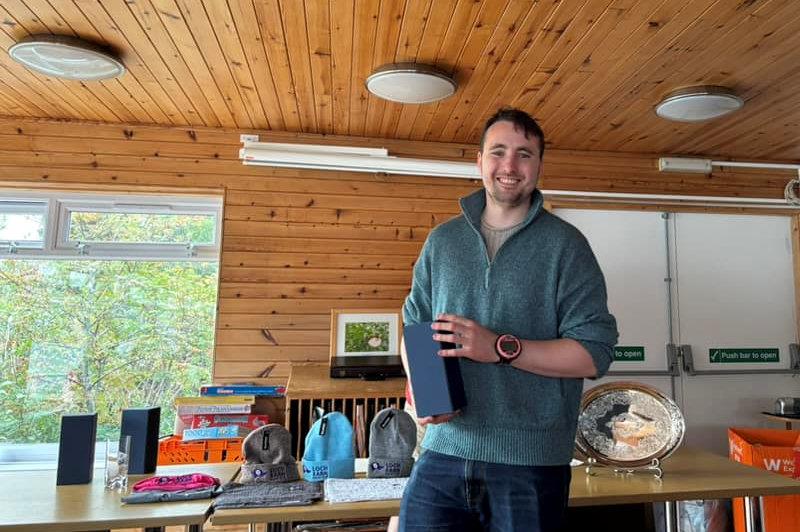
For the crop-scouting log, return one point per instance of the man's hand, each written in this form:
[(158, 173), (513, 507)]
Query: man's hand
[(476, 341), (435, 420)]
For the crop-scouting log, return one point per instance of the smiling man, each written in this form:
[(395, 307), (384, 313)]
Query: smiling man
[(521, 295)]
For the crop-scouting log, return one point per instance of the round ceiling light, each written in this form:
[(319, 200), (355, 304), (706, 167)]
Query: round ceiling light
[(66, 57), (410, 83), (696, 104)]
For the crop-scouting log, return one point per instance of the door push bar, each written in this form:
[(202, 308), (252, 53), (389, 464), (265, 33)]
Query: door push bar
[(685, 352)]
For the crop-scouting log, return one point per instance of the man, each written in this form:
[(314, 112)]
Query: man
[(521, 295)]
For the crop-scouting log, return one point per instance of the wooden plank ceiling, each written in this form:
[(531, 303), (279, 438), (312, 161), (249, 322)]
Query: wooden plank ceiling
[(589, 70)]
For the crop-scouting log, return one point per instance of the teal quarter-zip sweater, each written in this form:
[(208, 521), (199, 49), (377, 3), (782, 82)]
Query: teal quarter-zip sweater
[(544, 283)]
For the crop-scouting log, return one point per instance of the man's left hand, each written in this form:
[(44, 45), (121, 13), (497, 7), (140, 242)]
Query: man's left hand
[(476, 341)]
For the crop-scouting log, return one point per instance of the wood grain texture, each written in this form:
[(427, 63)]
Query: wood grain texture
[(591, 71), (298, 243)]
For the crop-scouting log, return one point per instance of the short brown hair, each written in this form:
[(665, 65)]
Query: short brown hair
[(521, 120)]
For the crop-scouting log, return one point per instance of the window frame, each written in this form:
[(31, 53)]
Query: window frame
[(16, 205), (56, 245), (59, 206)]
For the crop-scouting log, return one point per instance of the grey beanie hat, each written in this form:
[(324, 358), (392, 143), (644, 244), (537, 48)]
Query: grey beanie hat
[(268, 455), (392, 438)]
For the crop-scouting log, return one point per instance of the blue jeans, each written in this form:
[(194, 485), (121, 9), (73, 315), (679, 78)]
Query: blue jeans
[(450, 493)]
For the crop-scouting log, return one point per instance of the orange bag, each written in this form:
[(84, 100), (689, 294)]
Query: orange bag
[(774, 450)]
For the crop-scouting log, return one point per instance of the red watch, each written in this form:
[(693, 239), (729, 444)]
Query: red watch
[(508, 348)]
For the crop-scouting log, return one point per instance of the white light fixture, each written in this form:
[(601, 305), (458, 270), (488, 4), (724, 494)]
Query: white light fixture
[(410, 83), (66, 57), (348, 159), (696, 104), (791, 192), (684, 164)]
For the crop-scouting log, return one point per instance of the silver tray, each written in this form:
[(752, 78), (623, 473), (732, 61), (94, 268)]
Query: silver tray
[(628, 424)]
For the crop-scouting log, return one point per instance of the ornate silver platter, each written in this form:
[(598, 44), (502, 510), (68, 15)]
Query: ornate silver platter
[(628, 424)]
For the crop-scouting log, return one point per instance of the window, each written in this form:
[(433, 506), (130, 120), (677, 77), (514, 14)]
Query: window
[(106, 302), (22, 223)]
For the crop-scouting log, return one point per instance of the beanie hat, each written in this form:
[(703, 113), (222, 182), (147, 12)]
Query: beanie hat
[(329, 449), (268, 455), (392, 438), (192, 481)]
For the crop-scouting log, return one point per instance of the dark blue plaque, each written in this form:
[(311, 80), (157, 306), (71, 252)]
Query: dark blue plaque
[(435, 381)]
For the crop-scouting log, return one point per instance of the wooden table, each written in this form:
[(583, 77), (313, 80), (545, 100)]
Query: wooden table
[(688, 474), (31, 501)]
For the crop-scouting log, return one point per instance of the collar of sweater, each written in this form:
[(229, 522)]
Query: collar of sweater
[(473, 205)]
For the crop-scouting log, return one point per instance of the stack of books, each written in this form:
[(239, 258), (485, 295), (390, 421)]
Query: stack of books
[(222, 412), (242, 389)]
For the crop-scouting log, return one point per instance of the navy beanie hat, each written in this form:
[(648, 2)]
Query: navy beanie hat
[(392, 439), (329, 449)]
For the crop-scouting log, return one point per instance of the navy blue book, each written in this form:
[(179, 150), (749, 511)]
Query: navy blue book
[(436, 381)]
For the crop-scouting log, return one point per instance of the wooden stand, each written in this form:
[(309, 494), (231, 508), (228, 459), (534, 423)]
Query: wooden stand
[(311, 386), (313, 381)]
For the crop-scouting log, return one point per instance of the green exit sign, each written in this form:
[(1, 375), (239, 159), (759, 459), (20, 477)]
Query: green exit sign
[(717, 355), (629, 353)]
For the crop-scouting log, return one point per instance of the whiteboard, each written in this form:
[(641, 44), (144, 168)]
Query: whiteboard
[(735, 286), (631, 250)]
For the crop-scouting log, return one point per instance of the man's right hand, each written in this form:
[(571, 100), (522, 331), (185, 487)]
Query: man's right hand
[(436, 420)]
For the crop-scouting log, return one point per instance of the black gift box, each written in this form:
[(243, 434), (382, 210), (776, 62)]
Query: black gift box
[(76, 449), (436, 381)]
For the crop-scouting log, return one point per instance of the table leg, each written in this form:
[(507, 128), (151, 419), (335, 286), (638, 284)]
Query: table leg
[(671, 515)]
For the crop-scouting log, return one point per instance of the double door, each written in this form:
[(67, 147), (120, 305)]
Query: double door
[(706, 310)]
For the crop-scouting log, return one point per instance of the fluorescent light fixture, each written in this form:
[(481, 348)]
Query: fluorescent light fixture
[(349, 159), (697, 104), (67, 57), (791, 192), (703, 166), (410, 83), (683, 164), (664, 199)]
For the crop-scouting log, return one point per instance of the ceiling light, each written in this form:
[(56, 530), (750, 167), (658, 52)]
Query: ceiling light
[(696, 104), (410, 83), (67, 57)]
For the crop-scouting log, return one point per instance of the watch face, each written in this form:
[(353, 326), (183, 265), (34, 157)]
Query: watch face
[(509, 345), (628, 424)]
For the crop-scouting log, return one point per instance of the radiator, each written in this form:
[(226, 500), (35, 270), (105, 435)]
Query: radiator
[(359, 410)]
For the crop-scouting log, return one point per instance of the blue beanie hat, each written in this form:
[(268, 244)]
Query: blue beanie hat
[(329, 449)]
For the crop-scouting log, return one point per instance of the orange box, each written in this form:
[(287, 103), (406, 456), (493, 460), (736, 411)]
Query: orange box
[(172, 450), (774, 450)]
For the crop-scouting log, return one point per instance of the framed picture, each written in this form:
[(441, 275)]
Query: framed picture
[(365, 333)]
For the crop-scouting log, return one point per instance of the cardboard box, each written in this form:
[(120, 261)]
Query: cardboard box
[(773, 450), (435, 381)]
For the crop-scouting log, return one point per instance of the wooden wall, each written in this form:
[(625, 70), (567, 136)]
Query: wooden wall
[(297, 243)]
